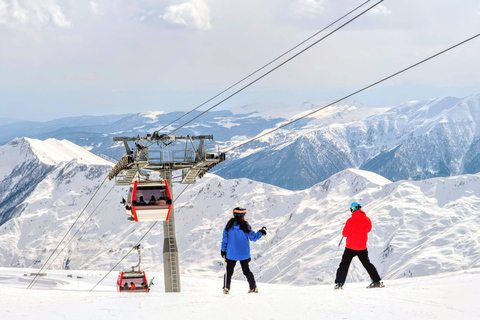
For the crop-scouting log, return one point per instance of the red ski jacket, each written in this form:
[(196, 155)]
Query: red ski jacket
[(356, 230)]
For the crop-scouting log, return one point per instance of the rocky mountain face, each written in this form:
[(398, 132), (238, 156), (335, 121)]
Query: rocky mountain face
[(419, 227)]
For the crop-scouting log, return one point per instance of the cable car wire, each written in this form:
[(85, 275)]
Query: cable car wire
[(138, 242), (264, 66), (37, 276), (354, 93), (79, 228), (278, 66)]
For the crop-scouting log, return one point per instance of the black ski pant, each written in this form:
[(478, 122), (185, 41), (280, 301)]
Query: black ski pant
[(246, 271), (347, 257)]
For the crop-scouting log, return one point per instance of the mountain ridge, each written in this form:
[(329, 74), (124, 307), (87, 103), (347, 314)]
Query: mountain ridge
[(419, 227)]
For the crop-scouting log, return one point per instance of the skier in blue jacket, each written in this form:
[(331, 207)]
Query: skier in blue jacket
[(236, 247)]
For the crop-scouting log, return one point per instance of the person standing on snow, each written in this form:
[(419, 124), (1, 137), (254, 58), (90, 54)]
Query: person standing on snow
[(356, 231), (236, 247)]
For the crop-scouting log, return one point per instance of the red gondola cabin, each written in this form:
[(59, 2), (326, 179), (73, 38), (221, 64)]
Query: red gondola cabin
[(149, 201), (132, 282)]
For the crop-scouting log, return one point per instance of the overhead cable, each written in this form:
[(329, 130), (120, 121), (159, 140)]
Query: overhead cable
[(37, 276), (80, 228), (138, 242), (354, 93), (278, 66), (263, 67)]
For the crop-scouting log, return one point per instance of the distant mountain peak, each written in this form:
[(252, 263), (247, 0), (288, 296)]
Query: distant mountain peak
[(53, 151)]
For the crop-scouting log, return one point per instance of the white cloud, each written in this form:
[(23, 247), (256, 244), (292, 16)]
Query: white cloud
[(307, 8), (3, 12), (56, 13), (380, 9), (94, 7), (31, 12), (194, 14), (476, 13)]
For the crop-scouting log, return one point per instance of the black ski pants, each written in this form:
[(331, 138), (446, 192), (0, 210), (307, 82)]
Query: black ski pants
[(246, 271), (347, 257)]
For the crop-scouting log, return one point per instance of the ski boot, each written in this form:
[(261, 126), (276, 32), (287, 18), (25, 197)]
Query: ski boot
[(376, 284), (338, 286), (226, 291), (253, 290)]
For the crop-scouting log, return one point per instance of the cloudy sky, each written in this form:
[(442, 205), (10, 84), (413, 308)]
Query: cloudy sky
[(72, 57)]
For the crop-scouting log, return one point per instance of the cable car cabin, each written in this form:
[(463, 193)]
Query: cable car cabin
[(134, 281), (148, 201)]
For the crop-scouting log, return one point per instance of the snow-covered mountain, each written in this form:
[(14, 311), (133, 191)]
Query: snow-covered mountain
[(420, 227), (416, 140), (96, 133), (29, 163), (43, 183)]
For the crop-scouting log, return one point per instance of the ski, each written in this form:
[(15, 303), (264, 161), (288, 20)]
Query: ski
[(151, 283), (374, 285)]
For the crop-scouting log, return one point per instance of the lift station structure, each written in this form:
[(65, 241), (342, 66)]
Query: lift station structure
[(149, 168)]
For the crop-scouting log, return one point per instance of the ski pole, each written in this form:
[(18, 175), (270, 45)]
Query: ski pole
[(338, 248), (270, 249), (225, 274), (331, 261)]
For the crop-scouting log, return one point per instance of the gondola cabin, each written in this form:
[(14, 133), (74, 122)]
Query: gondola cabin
[(149, 201), (134, 281)]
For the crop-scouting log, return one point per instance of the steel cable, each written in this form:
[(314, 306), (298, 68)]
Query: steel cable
[(278, 66), (138, 242), (354, 93), (35, 279)]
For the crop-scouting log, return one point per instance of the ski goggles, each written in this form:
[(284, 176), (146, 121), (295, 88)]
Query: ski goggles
[(239, 211)]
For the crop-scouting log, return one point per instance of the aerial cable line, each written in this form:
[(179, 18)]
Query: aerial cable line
[(138, 243), (264, 66), (79, 228), (356, 92), (278, 66), (37, 276)]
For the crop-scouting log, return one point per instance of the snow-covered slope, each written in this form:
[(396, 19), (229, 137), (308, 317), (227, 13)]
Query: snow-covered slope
[(420, 227), (57, 297)]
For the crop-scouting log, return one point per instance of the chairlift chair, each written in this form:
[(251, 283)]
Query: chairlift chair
[(148, 201)]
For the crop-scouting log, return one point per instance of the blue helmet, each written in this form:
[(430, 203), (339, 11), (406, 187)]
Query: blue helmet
[(355, 206)]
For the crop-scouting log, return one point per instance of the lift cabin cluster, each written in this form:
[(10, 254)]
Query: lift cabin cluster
[(150, 199), (148, 169)]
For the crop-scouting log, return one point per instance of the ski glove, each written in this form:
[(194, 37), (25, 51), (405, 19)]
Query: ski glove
[(224, 254), (263, 231)]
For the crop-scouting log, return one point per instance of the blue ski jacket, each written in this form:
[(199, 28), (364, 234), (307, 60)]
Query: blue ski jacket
[(237, 242)]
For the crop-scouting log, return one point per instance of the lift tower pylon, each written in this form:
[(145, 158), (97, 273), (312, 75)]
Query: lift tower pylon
[(156, 158)]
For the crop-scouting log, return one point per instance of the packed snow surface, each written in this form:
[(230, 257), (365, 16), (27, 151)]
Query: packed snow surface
[(56, 296)]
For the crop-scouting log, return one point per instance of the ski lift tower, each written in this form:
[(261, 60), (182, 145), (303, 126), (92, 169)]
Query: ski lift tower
[(156, 158)]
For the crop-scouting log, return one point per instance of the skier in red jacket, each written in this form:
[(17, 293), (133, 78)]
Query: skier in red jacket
[(356, 231)]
